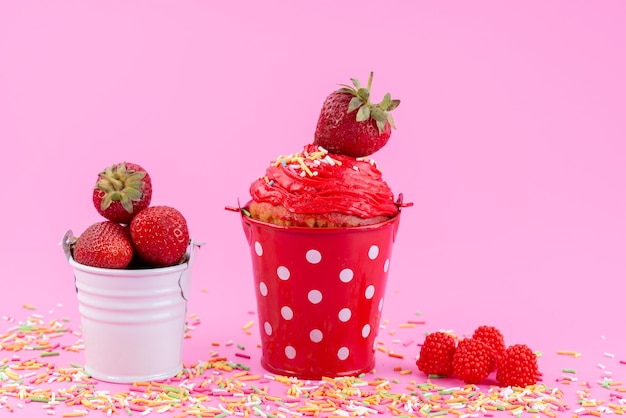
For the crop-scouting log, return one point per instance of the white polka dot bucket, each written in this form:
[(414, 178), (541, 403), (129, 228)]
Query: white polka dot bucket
[(320, 293), (132, 321)]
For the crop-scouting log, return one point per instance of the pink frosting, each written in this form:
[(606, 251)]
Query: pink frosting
[(315, 182)]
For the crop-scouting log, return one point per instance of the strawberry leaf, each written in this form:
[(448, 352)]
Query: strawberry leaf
[(354, 104), (384, 105), (132, 193), (106, 202), (390, 120), (356, 83), (394, 103), (364, 94), (127, 203), (381, 126), (379, 115), (346, 89), (363, 114)]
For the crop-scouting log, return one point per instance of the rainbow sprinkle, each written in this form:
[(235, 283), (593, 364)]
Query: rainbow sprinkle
[(241, 392), (304, 163), (220, 387)]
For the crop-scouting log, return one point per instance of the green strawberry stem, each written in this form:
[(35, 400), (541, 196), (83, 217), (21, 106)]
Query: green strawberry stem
[(380, 112)]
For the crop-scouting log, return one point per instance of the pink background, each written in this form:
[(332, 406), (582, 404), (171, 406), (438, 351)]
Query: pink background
[(511, 144)]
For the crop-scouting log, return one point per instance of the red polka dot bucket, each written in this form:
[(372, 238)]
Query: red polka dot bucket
[(320, 293)]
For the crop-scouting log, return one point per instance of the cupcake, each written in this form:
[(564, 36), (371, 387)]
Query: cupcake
[(320, 225), (314, 188)]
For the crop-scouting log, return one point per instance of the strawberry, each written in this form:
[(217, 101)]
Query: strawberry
[(104, 244), (350, 124), (493, 338), (122, 190), (436, 354), (160, 235), (518, 367), (473, 361)]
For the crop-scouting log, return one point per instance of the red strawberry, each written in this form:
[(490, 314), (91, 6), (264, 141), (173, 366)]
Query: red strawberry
[(350, 124), (104, 244), (122, 191), (518, 367), (436, 354), (160, 235), (493, 338), (473, 361)]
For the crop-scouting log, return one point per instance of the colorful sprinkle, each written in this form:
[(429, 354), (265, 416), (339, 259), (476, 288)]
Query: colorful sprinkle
[(222, 387)]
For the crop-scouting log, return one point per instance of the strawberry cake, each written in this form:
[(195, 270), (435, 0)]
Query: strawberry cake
[(313, 188), (320, 227), (332, 183)]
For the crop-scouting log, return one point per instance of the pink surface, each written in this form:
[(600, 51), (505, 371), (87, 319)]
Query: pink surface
[(510, 143)]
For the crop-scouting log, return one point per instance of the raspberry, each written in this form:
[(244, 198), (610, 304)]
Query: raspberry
[(493, 338), (518, 367), (473, 360), (436, 354)]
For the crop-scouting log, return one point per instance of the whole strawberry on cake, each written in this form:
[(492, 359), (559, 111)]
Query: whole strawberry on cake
[(332, 182)]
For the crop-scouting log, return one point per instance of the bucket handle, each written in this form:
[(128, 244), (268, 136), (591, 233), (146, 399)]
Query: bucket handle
[(191, 259), (399, 204), (191, 252), (247, 228), (66, 243)]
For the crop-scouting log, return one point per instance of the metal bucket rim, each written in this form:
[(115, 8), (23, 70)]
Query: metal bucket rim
[(158, 271), (310, 230), (305, 229)]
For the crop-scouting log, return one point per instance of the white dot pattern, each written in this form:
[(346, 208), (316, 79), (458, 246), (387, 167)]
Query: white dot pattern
[(283, 273), (337, 317), (345, 314), (365, 331), (316, 335), (346, 275), (287, 313), (290, 352), (313, 256), (315, 296)]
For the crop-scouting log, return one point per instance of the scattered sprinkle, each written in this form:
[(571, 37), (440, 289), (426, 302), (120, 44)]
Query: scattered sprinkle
[(567, 352), (220, 386)]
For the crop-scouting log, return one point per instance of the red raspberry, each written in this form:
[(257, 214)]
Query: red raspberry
[(436, 354), (518, 367), (473, 360), (493, 338)]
